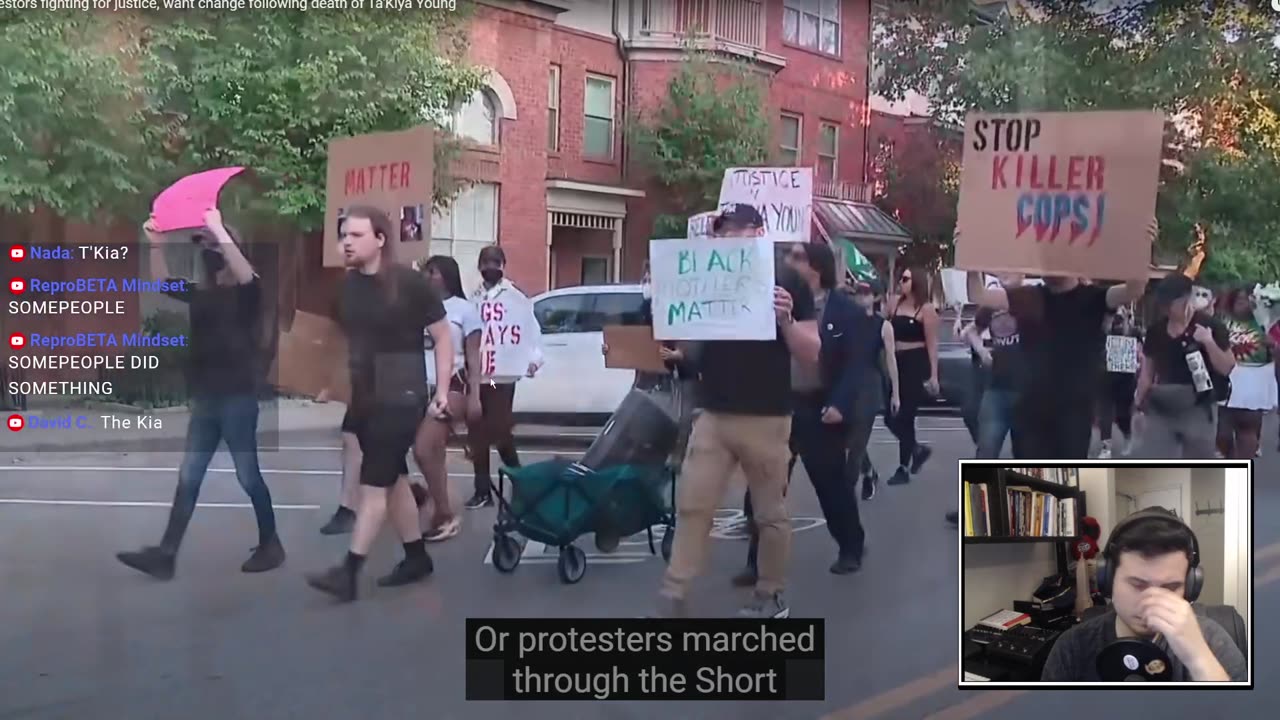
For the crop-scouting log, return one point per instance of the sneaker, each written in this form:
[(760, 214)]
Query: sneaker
[(764, 607), (1127, 449), (342, 522), (336, 581), (268, 556), (953, 518), (479, 500), (1105, 452), (419, 494), (668, 608), (745, 578), (150, 560), (900, 477), (407, 571), (869, 483), (846, 565), (443, 531), (920, 457)]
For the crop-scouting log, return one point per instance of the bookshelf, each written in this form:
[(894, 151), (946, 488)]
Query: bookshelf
[(1012, 505)]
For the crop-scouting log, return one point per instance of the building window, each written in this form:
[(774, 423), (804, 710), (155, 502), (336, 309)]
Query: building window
[(789, 140), (595, 271), (467, 225), (828, 151), (553, 109), (597, 134), (477, 120), (812, 24)]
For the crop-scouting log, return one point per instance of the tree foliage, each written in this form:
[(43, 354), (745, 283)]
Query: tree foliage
[(102, 111), (711, 118), (1213, 68)]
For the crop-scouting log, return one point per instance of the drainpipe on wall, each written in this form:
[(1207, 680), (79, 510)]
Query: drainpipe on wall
[(625, 155)]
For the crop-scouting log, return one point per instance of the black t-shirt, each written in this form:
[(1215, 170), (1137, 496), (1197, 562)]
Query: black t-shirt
[(749, 377), (1007, 366), (1169, 355), (226, 356), (384, 319), (1062, 339)]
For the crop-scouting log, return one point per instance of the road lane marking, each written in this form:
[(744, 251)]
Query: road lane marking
[(1268, 552), (898, 697), (141, 503), (976, 706), (1270, 576)]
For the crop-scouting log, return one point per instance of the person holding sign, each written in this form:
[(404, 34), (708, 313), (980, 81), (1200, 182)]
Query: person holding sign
[(224, 379), (745, 423), (1186, 362), (510, 331), (1115, 398), (386, 307)]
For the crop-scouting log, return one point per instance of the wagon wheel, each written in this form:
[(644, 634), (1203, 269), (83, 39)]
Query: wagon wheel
[(506, 553), (572, 564)]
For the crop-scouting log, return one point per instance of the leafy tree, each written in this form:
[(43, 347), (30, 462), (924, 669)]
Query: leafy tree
[(918, 183), (72, 136), (711, 119), (269, 91), (1213, 68)]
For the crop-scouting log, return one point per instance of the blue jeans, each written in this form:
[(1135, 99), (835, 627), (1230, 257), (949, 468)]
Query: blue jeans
[(995, 421), (214, 419)]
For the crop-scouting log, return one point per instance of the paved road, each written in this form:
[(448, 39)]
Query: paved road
[(83, 637)]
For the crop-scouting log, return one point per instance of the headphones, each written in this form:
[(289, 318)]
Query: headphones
[(1110, 555)]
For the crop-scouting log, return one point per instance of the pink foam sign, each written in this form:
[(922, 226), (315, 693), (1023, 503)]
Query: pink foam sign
[(182, 205)]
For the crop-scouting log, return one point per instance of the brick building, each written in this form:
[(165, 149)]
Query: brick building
[(546, 138)]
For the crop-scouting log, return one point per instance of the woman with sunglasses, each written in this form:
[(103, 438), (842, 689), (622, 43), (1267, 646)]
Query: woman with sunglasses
[(915, 330)]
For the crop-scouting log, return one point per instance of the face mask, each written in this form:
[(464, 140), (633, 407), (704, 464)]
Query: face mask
[(213, 260), (1201, 298), (491, 275), (646, 291)]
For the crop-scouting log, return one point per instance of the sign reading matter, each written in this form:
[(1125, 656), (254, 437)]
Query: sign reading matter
[(1059, 193), (506, 348), (713, 289), (391, 171), (783, 196)]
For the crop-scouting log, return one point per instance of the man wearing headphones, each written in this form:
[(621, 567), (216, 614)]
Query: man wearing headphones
[(1151, 570)]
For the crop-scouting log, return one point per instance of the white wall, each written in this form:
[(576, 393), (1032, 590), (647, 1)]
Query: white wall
[(996, 575), (1238, 541), (1135, 481), (1099, 497), (1207, 491)]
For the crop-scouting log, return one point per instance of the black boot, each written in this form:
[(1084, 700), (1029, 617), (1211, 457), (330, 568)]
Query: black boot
[(846, 565), (407, 571), (152, 561), (267, 556), (343, 520), (479, 500), (900, 477), (920, 457), (339, 581)]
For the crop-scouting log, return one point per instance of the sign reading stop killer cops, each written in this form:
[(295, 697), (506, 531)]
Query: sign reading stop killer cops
[(506, 343), (1059, 193), (713, 288)]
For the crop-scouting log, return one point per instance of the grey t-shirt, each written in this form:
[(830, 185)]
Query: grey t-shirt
[(807, 379), (1074, 656)]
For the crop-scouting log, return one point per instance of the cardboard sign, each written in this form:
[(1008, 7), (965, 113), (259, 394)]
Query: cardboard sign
[(783, 196), (1122, 354), (506, 348), (713, 289), (1059, 194), (699, 226), (312, 356), (633, 348), (391, 171)]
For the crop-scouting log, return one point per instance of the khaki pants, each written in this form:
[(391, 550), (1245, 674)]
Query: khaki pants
[(719, 444)]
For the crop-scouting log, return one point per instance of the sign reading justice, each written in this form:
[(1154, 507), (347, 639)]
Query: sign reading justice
[(1059, 193)]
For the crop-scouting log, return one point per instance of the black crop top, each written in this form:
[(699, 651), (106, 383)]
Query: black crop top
[(907, 328)]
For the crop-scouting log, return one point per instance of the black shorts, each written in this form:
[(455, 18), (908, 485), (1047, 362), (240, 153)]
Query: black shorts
[(386, 435)]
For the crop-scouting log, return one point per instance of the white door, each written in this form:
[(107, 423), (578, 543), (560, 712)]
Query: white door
[(1167, 498)]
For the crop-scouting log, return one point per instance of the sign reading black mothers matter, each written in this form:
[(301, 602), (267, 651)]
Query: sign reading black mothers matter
[(783, 196), (392, 171), (1059, 193)]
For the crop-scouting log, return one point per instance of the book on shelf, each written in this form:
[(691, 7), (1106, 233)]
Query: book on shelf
[(1005, 619), (1039, 514), (1069, 477), (977, 510)]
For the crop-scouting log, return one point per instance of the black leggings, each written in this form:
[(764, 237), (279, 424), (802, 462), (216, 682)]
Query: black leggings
[(1115, 404), (913, 373)]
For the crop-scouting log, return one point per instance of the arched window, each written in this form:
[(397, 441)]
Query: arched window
[(477, 120)]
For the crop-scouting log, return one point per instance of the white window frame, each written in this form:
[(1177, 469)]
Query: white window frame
[(814, 9), (447, 242), (553, 108), (613, 123), (834, 155), (798, 150), (495, 132)]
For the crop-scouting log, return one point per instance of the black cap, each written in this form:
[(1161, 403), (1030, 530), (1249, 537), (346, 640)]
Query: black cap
[(737, 216), (1173, 287)]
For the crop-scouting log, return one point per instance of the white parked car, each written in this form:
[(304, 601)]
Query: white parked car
[(573, 383)]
